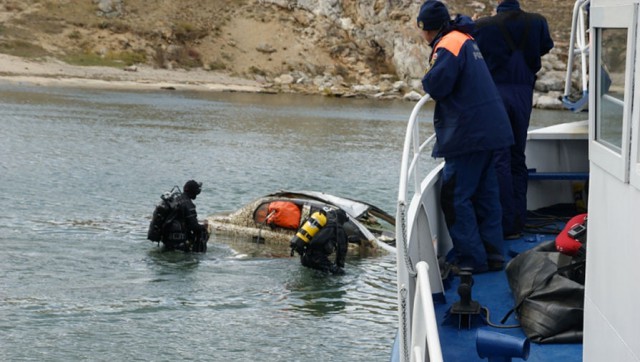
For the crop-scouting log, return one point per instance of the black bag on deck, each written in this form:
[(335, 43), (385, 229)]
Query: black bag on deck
[(549, 305)]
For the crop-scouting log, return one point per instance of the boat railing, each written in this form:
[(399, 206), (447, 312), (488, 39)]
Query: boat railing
[(409, 164), (424, 324), (411, 152), (418, 333), (578, 46)]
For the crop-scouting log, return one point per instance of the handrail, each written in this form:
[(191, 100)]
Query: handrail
[(424, 315), (411, 138), (613, 100), (415, 159), (578, 32)]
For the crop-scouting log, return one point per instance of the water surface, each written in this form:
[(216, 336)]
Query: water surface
[(80, 173)]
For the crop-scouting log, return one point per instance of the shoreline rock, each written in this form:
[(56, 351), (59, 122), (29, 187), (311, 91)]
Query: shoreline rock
[(50, 72)]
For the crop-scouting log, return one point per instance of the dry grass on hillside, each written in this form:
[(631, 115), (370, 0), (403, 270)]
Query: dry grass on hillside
[(231, 36)]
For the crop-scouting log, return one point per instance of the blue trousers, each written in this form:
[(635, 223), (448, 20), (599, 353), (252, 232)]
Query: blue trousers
[(510, 162), (470, 202)]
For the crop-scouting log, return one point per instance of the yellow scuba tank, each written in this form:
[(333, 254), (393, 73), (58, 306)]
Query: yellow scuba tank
[(308, 230)]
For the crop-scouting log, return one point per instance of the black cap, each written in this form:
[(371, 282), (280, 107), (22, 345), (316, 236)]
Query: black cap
[(433, 15)]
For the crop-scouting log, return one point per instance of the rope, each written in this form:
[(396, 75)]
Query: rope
[(540, 223), (405, 327), (489, 323), (410, 268), (412, 273)]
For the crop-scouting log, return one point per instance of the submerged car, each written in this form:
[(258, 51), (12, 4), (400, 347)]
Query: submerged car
[(275, 218)]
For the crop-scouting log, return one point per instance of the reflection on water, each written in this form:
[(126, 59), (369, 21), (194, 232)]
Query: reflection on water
[(313, 293), (171, 262), (81, 172)]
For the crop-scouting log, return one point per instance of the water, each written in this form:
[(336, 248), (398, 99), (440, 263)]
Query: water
[(80, 173)]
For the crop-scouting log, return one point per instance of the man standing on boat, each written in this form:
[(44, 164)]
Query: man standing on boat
[(470, 123), (512, 43)]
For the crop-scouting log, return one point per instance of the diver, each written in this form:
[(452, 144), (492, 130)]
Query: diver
[(181, 230), (330, 237)]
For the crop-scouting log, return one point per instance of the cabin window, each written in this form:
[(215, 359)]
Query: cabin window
[(261, 212), (611, 88), (611, 79)]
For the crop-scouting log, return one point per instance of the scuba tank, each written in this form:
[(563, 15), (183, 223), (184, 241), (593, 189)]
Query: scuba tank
[(163, 213), (307, 231), (174, 234)]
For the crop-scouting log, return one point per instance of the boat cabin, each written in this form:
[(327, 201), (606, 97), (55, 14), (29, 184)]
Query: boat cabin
[(611, 290)]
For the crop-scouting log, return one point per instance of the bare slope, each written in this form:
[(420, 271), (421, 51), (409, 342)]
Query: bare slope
[(259, 40)]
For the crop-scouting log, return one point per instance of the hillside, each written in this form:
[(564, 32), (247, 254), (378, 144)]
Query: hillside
[(335, 47)]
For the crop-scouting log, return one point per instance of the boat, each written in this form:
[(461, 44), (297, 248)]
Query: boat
[(592, 164), (273, 219)]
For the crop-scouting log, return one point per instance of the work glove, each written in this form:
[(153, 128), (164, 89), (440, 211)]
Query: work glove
[(298, 245)]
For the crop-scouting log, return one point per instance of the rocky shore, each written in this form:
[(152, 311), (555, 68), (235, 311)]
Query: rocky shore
[(49, 72), (336, 48), (52, 72)]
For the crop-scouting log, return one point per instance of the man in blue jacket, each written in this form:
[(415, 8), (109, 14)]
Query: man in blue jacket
[(470, 123), (512, 42)]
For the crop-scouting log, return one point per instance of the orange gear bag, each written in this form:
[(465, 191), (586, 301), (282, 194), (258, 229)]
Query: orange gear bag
[(284, 214)]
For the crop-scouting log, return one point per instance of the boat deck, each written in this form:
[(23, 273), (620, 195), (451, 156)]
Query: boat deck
[(492, 291)]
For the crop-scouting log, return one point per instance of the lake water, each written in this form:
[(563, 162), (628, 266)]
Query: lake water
[(80, 174)]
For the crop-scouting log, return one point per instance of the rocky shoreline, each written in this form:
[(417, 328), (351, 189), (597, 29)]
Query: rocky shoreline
[(335, 48), (51, 72), (547, 94)]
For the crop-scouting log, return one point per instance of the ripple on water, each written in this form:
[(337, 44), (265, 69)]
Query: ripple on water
[(81, 172)]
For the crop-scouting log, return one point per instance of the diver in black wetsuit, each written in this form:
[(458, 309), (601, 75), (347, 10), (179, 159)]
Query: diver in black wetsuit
[(184, 232), (332, 237)]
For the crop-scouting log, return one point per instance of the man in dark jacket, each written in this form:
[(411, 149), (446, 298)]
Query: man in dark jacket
[(470, 123), (512, 43), (331, 238), (184, 232)]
